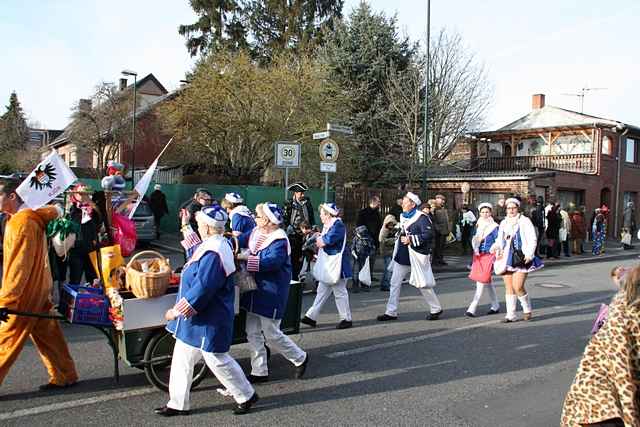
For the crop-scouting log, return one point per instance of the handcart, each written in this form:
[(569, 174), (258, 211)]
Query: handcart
[(144, 342)]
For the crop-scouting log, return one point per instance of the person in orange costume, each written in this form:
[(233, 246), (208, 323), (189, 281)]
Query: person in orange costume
[(26, 286)]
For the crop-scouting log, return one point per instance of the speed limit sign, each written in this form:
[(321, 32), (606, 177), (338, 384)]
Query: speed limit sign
[(287, 154)]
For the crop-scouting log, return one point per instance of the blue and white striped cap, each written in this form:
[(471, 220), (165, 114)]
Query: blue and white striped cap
[(273, 212), (331, 208), (213, 215), (233, 198)]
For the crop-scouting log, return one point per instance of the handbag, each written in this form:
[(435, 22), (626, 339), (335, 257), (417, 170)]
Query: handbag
[(328, 268), (364, 275), (482, 267), (601, 318), (245, 281)]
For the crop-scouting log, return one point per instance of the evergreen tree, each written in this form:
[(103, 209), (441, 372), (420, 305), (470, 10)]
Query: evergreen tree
[(295, 25), (220, 25), (361, 53), (263, 27), (14, 131)]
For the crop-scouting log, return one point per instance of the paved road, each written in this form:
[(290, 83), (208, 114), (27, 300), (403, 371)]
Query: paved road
[(453, 372)]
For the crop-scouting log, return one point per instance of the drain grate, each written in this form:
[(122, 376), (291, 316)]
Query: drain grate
[(551, 285)]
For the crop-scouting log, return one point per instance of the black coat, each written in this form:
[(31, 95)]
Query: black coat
[(371, 219), (554, 223), (158, 204)]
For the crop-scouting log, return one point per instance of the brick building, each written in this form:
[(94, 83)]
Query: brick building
[(558, 154), (149, 136)]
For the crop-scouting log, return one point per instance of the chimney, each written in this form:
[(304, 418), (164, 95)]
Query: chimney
[(123, 84), (537, 101), (84, 105)]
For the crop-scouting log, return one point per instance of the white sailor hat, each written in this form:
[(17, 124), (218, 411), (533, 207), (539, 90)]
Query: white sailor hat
[(331, 208), (273, 212), (213, 215), (414, 198), (233, 198)]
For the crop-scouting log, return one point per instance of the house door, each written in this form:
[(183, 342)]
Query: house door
[(605, 197)]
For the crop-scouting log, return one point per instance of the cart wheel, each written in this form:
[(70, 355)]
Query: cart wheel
[(158, 355)]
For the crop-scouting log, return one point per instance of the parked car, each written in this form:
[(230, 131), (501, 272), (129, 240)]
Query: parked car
[(145, 225)]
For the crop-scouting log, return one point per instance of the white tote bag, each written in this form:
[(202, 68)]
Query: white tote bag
[(421, 273), (328, 268), (364, 276)]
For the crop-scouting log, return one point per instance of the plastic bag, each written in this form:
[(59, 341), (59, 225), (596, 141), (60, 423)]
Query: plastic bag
[(124, 233), (112, 263), (364, 276)]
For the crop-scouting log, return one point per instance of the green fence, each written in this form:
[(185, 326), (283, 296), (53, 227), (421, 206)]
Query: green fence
[(177, 194)]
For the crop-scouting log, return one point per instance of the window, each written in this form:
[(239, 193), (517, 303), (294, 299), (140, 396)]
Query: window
[(73, 159), (631, 150), (573, 144), (606, 145), (570, 199), (533, 146)]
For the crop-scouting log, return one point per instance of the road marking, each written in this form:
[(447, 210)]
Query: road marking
[(420, 338), (38, 410), (525, 347)]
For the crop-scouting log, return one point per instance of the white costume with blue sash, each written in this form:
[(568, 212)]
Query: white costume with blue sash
[(413, 259), (334, 236)]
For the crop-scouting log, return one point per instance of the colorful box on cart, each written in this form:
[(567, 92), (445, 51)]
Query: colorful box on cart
[(84, 305)]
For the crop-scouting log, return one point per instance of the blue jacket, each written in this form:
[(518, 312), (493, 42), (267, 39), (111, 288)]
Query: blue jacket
[(273, 277), (242, 222), (334, 240), (421, 235), (210, 292)]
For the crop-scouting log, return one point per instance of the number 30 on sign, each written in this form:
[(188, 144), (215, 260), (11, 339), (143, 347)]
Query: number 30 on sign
[(287, 154)]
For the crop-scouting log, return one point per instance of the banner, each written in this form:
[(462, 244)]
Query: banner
[(49, 179), (143, 185)]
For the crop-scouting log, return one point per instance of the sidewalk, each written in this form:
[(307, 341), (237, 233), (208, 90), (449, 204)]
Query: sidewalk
[(458, 263)]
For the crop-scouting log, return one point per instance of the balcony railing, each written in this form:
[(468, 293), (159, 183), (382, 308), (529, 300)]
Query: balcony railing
[(581, 163)]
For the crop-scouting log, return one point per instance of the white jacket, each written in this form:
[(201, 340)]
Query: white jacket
[(527, 235)]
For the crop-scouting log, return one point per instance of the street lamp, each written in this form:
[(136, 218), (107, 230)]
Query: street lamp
[(426, 149), (133, 126)]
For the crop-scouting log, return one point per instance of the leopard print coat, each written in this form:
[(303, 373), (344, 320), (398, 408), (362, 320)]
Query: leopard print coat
[(608, 376)]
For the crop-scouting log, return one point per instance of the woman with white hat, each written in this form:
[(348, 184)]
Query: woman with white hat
[(515, 249), (202, 319), (332, 269), (482, 267), (240, 216), (412, 255), (269, 259)]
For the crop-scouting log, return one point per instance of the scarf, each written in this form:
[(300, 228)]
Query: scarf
[(484, 227), (258, 240), (220, 246), (409, 214)]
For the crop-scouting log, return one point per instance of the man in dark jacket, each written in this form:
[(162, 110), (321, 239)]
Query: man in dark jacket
[(296, 211), (396, 210), (370, 217), (442, 230), (158, 205)]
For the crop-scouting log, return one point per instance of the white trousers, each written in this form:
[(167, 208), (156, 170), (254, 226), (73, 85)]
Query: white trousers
[(495, 305), (342, 300), (258, 325), (400, 272), (223, 366)]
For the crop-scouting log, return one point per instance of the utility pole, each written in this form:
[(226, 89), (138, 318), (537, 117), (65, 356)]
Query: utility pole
[(426, 148)]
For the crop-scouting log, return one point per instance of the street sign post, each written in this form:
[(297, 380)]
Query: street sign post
[(328, 167), (329, 150), (333, 127), (321, 135), (287, 156)]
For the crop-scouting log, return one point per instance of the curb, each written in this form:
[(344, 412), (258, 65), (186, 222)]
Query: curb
[(166, 247)]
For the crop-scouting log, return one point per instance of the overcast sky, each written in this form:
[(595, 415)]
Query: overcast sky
[(54, 53)]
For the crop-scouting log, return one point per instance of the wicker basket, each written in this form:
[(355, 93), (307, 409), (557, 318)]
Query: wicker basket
[(148, 284)]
